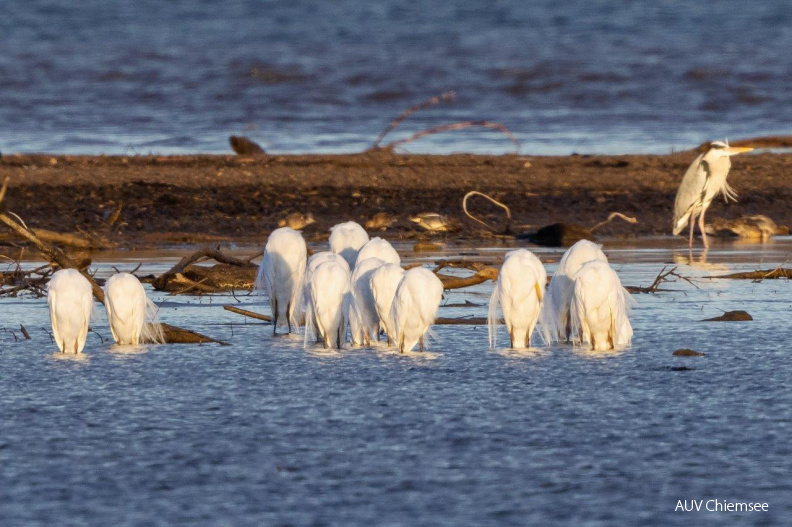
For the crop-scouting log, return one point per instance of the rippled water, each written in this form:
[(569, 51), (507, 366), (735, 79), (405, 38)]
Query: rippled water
[(263, 432), (306, 76)]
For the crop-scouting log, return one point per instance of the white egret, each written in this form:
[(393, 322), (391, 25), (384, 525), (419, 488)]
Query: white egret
[(555, 311), (599, 314), (384, 282), (346, 239), (70, 303), (519, 292), (315, 261), (363, 319), (328, 304), (281, 275), (379, 248), (705, 177), (415, 306), (132, 316)]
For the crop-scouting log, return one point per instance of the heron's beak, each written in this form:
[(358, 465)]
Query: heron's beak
[(734, 150)]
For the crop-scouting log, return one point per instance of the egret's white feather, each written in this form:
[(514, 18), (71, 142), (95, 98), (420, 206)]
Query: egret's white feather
[(281, 275), (131, 315), (415, 306), (554, 315), (599, 313), (384, 282), (364, 322), (379, 248), (328, 304), (70, 301), (519, 293), (346, 239)]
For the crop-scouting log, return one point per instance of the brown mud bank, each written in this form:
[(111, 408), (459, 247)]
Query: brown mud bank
[(151, 201)]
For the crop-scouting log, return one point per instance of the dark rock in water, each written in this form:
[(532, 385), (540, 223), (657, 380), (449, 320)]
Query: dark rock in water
[(557, 235), (686, 352), (731, 316), (245, 147)]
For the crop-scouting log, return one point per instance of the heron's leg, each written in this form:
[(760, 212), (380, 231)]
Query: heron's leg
[(692, 225), (701, 228)]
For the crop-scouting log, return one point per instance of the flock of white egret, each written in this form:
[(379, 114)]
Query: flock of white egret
[(131, 315), (358, 289)]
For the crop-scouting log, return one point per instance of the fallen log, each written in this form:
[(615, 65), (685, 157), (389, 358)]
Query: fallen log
[(173, 334), (456, 282), (247, 313)]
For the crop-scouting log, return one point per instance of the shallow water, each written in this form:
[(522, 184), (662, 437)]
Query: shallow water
[(304, 76), (263, 432)]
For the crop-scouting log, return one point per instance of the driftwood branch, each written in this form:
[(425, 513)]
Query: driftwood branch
[(450, 128), (161, 283), (443, 97), (456, 282), (250, 314), (57, 256), (505, 207), (611, 217)]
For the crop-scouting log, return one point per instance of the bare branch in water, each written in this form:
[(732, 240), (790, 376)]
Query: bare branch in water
[(450, 128), (443, 97)]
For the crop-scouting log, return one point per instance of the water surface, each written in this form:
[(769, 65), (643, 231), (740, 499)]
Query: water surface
[(263, 432)]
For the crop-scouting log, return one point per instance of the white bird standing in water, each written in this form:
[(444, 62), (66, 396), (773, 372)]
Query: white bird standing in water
[(599, 314), (555, 311), (281, 275), (379, 248), (70, 302), (315, 261), (705, 177), (384, 282), (415, 306), (132, 316), (346, 239), (363, 319), (328, 304), (519, 292)]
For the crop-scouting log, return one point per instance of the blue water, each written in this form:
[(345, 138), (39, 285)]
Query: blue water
[(602, 76), (262, 432)]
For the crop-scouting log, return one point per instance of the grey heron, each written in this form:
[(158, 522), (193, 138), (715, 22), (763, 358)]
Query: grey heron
[(705, 177)]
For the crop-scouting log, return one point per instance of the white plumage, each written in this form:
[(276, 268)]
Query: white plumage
[(363, 318), (384, 282), (281, 275), (599, 314), (346, 239), (70, 303), (555, 311), (519, 293), (415, 306), (328, 304), (379, 248), (703, 180), (131, 315)]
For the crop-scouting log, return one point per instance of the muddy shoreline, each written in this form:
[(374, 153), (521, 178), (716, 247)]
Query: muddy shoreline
[(192, 200)]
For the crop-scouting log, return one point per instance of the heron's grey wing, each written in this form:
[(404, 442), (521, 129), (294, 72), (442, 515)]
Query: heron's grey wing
[(690, 192)]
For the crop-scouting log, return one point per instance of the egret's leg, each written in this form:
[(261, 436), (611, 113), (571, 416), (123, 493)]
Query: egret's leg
[(701, 228), (692, 221), (274, 317), (421, 343)]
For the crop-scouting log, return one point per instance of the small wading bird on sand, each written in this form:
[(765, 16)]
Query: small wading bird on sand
[(705, 177)]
